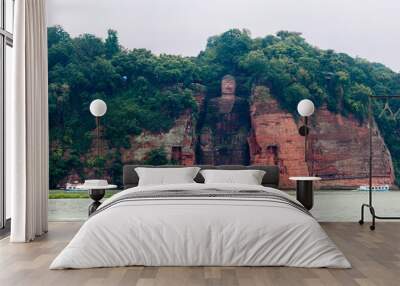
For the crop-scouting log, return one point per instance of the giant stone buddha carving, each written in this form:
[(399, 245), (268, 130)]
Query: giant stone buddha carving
[(223, 135)]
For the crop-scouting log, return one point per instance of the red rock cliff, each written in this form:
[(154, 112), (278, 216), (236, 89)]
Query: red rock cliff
[(274, 138), (337, 150)]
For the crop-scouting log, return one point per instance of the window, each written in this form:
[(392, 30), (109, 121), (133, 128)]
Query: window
[(6, 43)]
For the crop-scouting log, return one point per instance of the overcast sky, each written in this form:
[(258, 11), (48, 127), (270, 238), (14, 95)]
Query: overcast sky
[(366, 28)]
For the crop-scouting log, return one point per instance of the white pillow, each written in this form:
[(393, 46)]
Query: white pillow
[(248, 177), (165, 176)]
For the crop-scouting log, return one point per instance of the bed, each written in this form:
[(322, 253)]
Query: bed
[(198, 224)]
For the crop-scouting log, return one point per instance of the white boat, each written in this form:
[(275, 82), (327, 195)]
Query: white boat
[(73, 187), (376, 188)]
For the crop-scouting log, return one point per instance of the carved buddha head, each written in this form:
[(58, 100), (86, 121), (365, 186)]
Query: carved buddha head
[(228, 85)]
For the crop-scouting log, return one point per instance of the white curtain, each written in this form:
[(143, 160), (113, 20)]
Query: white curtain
[(27, 124)]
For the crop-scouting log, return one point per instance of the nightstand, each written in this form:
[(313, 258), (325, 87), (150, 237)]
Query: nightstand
[(304, 190), (96, 190)]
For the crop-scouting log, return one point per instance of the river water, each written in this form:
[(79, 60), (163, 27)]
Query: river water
[(329, 206)]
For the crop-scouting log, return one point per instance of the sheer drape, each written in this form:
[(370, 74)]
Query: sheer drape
[(27, 123)]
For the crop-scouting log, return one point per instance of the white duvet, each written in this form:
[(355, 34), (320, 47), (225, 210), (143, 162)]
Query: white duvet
[(194, 231)]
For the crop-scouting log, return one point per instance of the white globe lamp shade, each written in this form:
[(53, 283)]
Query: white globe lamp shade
[(98, 107), (305, 107)]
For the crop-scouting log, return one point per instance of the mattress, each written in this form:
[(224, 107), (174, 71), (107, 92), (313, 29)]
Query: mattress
[(201, 225)]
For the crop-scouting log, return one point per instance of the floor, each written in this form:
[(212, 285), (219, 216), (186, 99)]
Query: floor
[(375, 257), (329, 206)]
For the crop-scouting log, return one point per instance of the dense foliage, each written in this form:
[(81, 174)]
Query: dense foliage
[(142, 91), (156, 157), (147, 92)]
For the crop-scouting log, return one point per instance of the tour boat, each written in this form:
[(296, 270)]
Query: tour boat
[(377, 188), (74, 186)]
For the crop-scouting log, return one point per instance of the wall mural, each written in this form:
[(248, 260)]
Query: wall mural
[(235, 103)]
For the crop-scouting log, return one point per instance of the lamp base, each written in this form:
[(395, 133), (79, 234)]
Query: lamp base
[(304, 130), (93, 207), (96, 195)]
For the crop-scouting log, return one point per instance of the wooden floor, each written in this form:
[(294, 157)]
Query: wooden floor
[(375, 257)]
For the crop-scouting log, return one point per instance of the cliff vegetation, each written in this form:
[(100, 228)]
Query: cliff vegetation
[(148, 92)]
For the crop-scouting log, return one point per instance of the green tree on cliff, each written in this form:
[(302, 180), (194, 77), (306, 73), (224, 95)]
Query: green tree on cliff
[(111, 43)]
